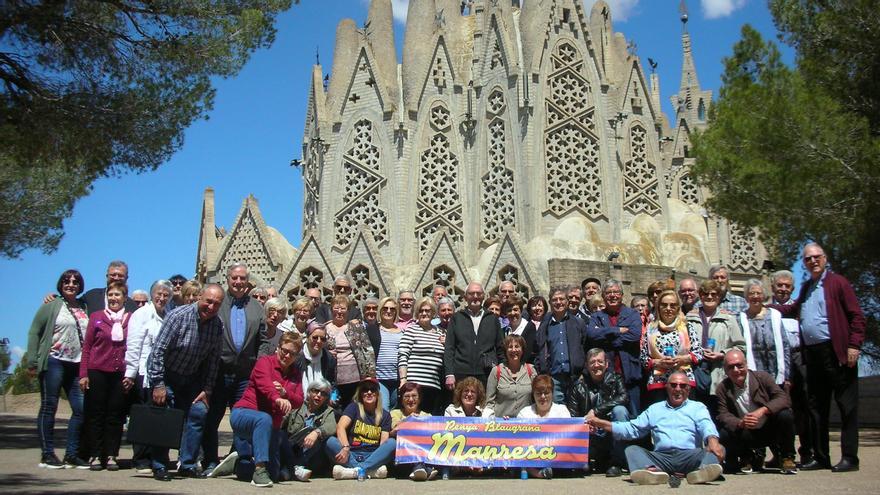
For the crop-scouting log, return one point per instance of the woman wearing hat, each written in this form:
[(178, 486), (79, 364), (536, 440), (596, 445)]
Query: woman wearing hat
[(362, 446)]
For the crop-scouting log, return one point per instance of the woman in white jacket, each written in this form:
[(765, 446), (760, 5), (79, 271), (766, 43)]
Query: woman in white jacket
[(143, 329)]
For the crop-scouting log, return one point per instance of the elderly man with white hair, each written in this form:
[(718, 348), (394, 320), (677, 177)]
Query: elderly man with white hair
[(473, 340)]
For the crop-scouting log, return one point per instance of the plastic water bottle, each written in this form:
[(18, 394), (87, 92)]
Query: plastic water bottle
[(362, 474), (523, 474), (669, 351)]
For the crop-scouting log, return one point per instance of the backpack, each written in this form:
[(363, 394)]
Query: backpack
[(529, 370)]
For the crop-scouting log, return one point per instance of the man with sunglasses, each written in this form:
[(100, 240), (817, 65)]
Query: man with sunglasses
[(684, 436), (753, 412), (341, 286), (832, 331)]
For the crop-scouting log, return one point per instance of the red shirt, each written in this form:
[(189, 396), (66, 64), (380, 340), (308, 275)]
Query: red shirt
[(261, 394)]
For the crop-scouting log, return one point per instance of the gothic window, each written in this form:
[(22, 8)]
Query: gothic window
[(363, 286), (445, 276), (309, 278), (362, 186), (688, 191), (510, 273), (498, 194), (743, 249), (570, 141), (246, 246), (312, 177), (439, 203), (640, 177)]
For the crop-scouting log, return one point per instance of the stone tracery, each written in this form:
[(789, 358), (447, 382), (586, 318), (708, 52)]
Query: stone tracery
[(497, 209), (362, 186), (640, 177)]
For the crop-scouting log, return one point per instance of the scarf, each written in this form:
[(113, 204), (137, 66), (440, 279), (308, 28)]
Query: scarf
[(679, 326), (116, 334)]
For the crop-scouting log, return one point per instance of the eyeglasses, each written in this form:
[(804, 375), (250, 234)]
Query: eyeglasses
[(273, 312), (286, 352), (814, 257), (319, 392), (178, 283), (424, 311), (613, 292), (342, 288), (388, 309), (316, 338), (543, 393), (370, 391), (682, 386), (736, 366)]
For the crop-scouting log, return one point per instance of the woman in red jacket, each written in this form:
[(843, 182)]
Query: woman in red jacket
[(274, 389), (101, 371)]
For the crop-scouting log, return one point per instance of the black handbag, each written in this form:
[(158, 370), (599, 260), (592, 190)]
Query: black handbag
[(155, 426)]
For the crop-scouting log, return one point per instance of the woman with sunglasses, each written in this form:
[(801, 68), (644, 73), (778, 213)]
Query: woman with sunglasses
[(420, 358), (54, 352), (308, 429), (349, 343), (363, 445), (315, 361), (670, 344), (274, 389), (385, 338)]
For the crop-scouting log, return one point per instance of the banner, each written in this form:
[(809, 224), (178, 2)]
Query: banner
[(493, 442)]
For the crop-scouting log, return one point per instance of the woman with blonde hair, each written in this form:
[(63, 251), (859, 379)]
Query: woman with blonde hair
[(363, 445)]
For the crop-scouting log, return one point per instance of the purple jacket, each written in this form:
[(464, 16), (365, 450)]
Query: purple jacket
[(99, 351), (846, 322)]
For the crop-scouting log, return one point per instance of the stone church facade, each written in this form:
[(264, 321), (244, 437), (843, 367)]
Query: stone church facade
[(523, 144)]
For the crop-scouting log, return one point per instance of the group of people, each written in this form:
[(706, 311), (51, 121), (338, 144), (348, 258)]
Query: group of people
[(684, 383)]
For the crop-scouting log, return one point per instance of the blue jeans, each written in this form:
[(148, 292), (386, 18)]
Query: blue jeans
[(180, 391), (227, 391), (602, 443), (561, 382), (59, 375), (254, 428), (366, 459), (388, 393), (670, 461)]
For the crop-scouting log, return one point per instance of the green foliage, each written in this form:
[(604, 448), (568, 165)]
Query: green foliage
[(21, 382), (101, 88), (793, 152)]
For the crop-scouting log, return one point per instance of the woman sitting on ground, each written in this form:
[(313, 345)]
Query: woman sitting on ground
[(362, 445), (410, 405), (308, 429), (542, 393), (274, 389)]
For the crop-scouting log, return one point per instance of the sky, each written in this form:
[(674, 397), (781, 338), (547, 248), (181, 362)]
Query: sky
[(255, 129)]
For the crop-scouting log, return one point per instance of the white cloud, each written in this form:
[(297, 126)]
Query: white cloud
[(715, 9), (398, 9), (620, 9)]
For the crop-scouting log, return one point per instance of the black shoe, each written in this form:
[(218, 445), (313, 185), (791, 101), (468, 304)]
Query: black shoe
[(815, 465), (74, 462), (161, 475), (845, 466), (613, 472), (190, 473), (50, 462)]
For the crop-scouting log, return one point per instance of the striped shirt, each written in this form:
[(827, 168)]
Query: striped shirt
[(421, 353), (386, 357), (184, 345)]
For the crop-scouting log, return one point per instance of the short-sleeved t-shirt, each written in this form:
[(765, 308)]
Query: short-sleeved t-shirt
[(363, 432)]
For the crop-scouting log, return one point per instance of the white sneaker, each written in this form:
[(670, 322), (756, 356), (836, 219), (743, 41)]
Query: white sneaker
[(226, 466), (301, 473), (380, 473), (344, 473), (706, 473), (647, 477), (419, 474)]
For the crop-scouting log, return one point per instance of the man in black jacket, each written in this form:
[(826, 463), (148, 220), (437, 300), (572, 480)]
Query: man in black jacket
[(473, 340), (244, 326), (559, 344), (603, 393)]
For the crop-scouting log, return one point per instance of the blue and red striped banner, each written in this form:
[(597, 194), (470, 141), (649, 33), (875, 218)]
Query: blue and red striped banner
[(493, 442)]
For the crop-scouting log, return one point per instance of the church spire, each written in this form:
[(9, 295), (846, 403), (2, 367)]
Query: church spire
[(691, 104)]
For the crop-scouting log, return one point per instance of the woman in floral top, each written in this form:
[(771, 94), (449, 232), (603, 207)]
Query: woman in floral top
[(348, 342), (670, 344), (54, 349)]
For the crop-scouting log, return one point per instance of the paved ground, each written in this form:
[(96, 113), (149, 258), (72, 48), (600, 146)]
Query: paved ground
[(19, 454)]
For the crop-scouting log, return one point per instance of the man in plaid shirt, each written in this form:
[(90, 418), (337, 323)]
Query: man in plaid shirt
[(182, 368)]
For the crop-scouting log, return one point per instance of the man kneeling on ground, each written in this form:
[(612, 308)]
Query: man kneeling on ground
[(685, 439)]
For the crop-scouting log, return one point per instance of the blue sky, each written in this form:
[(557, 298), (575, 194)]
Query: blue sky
[(255, 129)]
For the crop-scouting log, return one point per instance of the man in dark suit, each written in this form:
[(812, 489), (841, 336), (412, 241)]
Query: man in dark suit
[(832, 331), (753, 412), (473, 340), (560, 344), (618, 330), (244, 326)]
